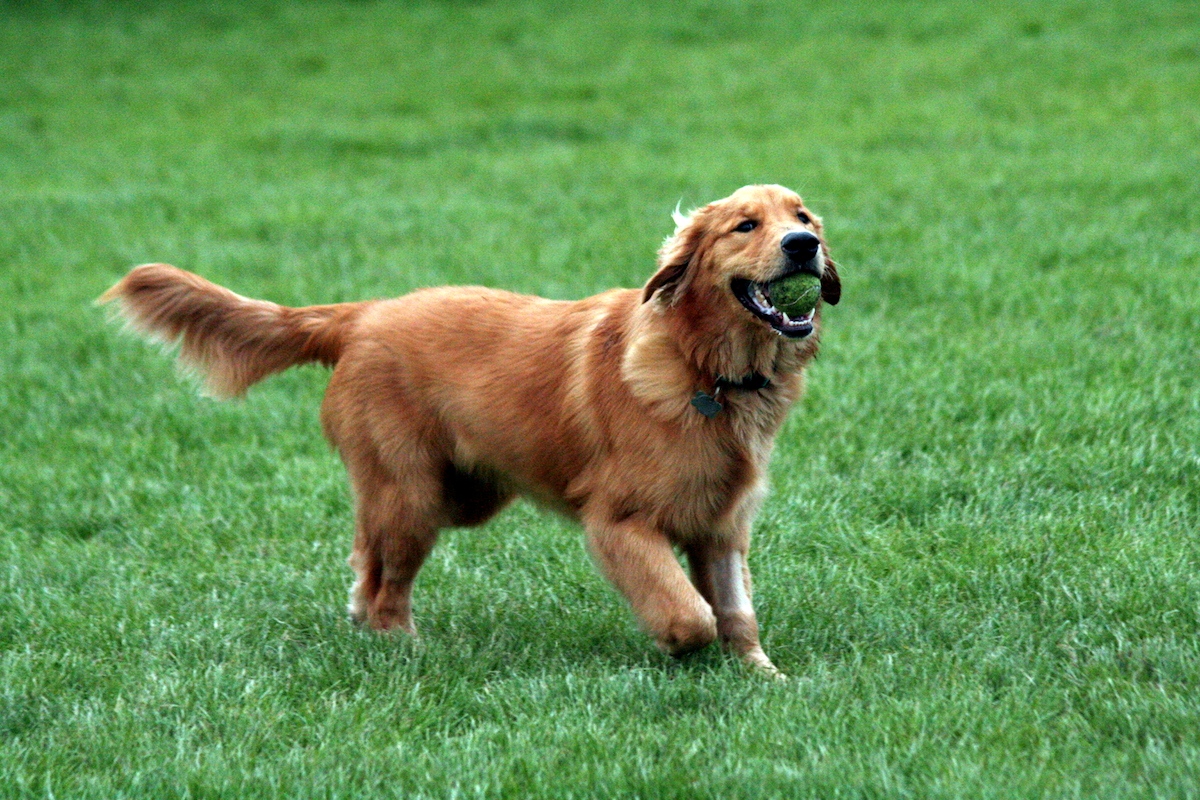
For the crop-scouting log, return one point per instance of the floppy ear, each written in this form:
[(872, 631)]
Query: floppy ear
[(674, 259), (831, 284)]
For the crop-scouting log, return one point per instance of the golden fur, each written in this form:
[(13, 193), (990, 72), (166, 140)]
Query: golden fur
[(447, 402)]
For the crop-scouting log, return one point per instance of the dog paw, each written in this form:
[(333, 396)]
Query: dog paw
[(757, 660), (387, 620)]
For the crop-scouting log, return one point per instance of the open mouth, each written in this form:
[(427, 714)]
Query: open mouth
[(756, 298)]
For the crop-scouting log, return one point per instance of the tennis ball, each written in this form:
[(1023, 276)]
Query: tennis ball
[(795, 295)]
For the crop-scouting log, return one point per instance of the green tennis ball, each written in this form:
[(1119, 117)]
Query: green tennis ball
[(795, 295)]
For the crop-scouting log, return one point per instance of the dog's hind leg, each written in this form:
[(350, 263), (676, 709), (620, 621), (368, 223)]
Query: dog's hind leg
[(640, 561), (396, 529)]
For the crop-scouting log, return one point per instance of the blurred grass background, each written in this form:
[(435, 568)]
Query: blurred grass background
[(979, 560)]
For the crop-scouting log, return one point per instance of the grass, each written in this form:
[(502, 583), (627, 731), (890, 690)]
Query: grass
[(979, 559)]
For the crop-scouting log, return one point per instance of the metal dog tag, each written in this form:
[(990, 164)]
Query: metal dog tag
[(706, 405)]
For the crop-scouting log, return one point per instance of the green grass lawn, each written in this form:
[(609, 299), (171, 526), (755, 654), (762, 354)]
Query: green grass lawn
[(979, 560)]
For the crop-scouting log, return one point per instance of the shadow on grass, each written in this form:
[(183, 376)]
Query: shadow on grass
[(473, 651)]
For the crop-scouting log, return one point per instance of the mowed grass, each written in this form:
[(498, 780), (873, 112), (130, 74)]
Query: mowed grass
[(979, 560)]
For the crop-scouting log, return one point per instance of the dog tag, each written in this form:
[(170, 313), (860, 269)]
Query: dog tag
[(708, 406)]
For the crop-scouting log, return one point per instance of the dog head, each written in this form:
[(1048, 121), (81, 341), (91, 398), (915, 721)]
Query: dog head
[(729, 251)]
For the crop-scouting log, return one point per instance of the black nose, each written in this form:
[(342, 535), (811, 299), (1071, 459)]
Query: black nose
[(800, 246)]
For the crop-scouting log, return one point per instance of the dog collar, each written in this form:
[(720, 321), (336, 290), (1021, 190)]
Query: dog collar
[(751, 383), (709, 404)]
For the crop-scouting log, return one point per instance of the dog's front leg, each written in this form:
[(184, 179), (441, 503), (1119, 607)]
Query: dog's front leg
[(720, 572), (640, 561)]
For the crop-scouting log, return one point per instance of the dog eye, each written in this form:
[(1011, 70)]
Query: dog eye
[(746, 226), (804, 218)]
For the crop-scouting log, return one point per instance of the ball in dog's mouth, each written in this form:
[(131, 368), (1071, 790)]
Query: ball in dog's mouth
[(756, 298)]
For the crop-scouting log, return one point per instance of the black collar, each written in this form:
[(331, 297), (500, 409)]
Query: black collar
[(751, 383), (709, 404)]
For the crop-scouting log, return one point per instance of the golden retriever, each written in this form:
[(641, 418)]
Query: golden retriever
[(648, 414)]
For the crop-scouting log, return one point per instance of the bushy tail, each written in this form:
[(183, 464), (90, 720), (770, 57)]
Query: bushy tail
[(231, 340)]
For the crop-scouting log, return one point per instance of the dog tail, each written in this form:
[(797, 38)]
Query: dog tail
[(232, 341)]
